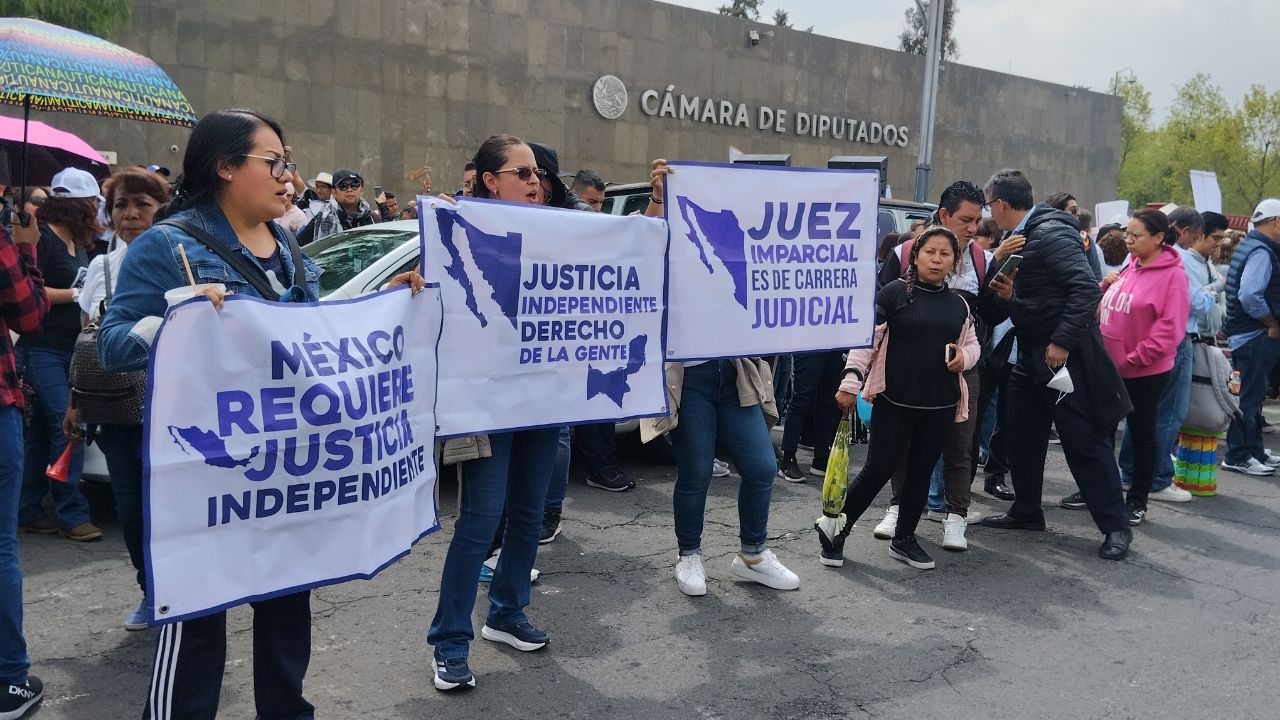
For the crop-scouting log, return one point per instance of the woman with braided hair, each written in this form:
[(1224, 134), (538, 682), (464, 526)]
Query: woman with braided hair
[(916, 388)]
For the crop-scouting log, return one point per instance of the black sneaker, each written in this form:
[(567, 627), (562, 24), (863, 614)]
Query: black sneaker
[(18, 699), (550, 527), (521, 636), (1074, 501), (453, 674), (910, 552), (818, 468), (1136, 514), (613, 480), (832, 553), (790, 471)]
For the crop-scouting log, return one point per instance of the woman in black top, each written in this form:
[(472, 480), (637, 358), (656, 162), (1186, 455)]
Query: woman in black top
[(68, 228), (916, 387)]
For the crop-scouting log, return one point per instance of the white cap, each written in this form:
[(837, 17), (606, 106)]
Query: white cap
[(74, 183), (1266, 210)]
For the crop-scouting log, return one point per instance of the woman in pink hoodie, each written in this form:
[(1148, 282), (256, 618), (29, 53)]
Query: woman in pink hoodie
[(1143, 316)]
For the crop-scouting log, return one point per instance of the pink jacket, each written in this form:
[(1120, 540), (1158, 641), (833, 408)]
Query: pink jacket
[(1143, 315), (869, 362)]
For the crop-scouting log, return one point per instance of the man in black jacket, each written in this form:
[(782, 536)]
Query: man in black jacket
[(1053, 308)]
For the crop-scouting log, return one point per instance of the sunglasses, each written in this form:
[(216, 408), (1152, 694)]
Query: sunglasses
[(350, 185), (37, 200), (278, 167), (524, 173)]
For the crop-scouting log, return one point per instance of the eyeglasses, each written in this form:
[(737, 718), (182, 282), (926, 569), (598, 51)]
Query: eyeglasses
[(278, 165), (350, 185), (524, 173)]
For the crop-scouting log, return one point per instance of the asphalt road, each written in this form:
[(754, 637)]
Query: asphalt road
[(1023, 625)]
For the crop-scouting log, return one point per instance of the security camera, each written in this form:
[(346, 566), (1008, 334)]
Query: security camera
[(754, 37), (173, 148)]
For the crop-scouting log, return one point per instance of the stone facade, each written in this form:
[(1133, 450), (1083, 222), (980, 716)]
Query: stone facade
[(388, 86)]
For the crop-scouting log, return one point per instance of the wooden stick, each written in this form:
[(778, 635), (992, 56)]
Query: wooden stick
[(190, 278)]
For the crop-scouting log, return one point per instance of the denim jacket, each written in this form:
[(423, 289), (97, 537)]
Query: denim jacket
[(153, 266)]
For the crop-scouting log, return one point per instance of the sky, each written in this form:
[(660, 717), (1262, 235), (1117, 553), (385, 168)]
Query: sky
[(1078, 42)]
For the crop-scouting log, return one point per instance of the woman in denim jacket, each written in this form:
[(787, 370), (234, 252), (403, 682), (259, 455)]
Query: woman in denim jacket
[(234, 183)]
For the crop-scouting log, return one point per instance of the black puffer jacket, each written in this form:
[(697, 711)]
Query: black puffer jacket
[(1055, 294)]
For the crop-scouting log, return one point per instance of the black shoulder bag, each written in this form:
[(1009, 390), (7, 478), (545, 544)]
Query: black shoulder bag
[(103, 397)]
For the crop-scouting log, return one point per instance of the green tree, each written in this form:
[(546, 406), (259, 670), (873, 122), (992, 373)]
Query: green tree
[(1259, 116), (96, 17), (745, 9), (914, 38)]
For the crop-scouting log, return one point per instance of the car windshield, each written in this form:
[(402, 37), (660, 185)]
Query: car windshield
[(345, 255)]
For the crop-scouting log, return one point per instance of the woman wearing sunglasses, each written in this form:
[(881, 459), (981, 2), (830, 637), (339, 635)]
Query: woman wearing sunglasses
[(515, 476)]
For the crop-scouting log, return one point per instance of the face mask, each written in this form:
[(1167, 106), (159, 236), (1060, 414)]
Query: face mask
[(1061, 381)]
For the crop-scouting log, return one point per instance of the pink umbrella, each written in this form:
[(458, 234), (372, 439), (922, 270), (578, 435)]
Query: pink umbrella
[(51, 150)]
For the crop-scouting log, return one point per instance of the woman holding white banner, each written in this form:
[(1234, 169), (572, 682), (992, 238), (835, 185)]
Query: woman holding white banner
[(515, 475), (234, 184), (730, 401), (917, 388)]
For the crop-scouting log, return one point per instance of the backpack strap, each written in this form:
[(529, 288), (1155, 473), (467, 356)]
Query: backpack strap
[(979, 258), (904, 257)]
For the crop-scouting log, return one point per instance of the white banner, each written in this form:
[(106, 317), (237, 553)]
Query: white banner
[(1205, 191), (551, 317), (287, 446), (767, 260)]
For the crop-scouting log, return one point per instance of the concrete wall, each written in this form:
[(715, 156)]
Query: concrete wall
[(387, 86)]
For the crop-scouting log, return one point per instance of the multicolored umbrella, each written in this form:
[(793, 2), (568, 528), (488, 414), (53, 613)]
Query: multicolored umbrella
[(51, 68)]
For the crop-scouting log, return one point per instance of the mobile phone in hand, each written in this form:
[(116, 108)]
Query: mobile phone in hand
[(950, 353), (1011, 263)]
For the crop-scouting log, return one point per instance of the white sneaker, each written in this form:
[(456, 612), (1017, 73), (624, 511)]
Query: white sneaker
[(888, 525), (1173, 493), (690, 576), (491, 563), (766, 570), (719, 468), (937, 515), (1272, 459), (953, 532), (1250, 467)]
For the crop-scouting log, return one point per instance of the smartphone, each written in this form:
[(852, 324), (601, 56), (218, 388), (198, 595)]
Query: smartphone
[(1010, 264), (377, 191), (950, 353)]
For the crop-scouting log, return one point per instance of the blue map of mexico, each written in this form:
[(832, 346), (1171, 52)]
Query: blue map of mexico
[(566, 307), (779, 259)]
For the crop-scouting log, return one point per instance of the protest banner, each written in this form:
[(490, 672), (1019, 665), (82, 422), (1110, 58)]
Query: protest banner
[(288, 446), (551, 317), (766, 260)]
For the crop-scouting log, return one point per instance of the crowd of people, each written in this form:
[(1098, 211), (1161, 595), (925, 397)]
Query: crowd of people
[(1013, 324)]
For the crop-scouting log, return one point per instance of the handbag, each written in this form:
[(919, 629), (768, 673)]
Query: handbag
[(103, 397)]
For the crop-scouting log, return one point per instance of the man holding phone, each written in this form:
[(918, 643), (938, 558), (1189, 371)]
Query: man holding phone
[(1053, 302)]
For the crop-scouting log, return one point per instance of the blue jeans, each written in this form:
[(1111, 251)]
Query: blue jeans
[(560, 473), (516, 475), (121, 445), (1171, 411), (13, 648), (46, 372), (937, 490), (1254, 360), (710, 410)]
